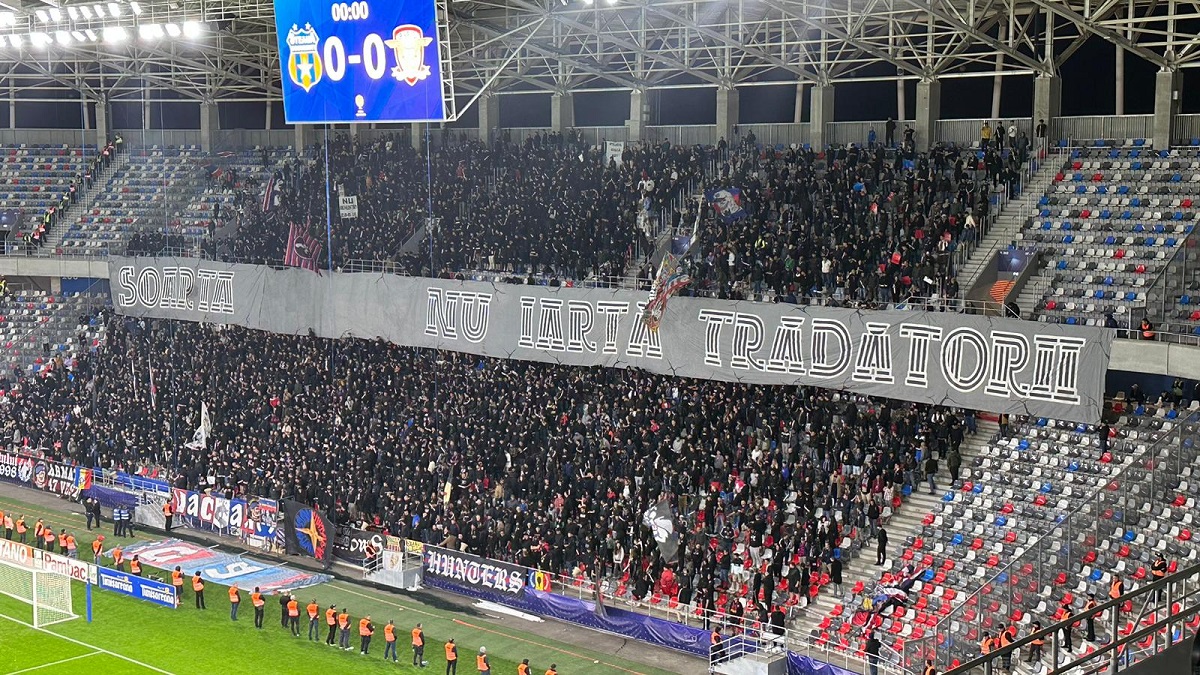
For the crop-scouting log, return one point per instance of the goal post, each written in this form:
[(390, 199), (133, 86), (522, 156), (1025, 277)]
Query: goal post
[(48, 592)]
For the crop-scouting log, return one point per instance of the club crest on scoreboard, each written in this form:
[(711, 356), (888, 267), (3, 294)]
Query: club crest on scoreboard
[(303, 62), (408, 45)]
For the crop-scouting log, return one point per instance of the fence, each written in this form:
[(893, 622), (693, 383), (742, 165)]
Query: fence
[(1103, 126), (1052, 556)]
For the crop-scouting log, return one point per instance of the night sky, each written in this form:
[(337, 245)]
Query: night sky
[(1088, 88)]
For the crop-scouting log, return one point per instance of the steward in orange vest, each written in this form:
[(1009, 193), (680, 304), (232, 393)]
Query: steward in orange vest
[(235, 600), (365, 631), (198, 587), (260, 607)]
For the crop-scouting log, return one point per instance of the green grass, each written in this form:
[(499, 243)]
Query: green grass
[(204, 642)]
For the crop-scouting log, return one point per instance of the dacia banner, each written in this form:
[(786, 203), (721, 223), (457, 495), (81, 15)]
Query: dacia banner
[(235, 517), (473, 571), (42, 474), (966, 361), (137, 587)]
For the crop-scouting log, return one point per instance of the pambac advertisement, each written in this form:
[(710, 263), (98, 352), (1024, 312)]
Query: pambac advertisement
[(143, 589), (958, 360), (37, 559), (35, 472)]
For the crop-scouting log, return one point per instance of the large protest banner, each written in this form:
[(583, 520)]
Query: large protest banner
[(42, 474), (976, 362)]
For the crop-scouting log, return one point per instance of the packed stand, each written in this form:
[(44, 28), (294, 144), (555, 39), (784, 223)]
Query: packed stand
[(544, 206), (553, 467), (855, 225)]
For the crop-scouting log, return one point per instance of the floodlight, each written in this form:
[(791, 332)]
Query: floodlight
[(55, 14), (16, 40), (99, 10), (73, 12), (115, 34), (173, 30), (42, 16), (62, 37), (2, 41), (150, 31), (114, 9), (192, 29), (91, 35), (137, 9), (8, 19), (79, 36), (87, 12)]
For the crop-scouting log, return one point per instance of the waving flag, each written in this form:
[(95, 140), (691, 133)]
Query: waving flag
[(303, 249), (727, 202), (670, 280), (269, 195), (661, 522), (200, 436)]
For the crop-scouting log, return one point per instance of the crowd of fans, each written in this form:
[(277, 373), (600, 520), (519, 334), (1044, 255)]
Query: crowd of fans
[(549, 466), (854, 224)]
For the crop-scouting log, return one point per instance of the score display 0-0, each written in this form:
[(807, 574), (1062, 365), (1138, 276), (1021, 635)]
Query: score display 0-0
[(360, 61)]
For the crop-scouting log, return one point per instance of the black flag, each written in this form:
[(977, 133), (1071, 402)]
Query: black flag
[(662, 525), (308, 531)]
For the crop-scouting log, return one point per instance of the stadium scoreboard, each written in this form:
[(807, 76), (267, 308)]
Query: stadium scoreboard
[(362, 61)]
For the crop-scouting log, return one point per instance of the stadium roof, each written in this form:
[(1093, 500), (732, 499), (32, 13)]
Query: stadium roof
[(572, 45)]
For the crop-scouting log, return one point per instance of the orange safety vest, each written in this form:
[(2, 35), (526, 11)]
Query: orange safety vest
[(417, 640), (551, 671), (48, 535), (37, 528), (8, 522), (986, 646), (451, 652), (177, 578), (389, 633), (70, 541), (313, 610), (234, 596), (522, 669), (21, 528), (1159, 569), (257, 599), (930, 670), (481, 662), (135, 566), (331, 616), (364, 627), (96, 548), (119, 557), (293, 608), (167, 509), (197, 584), (1116, 590), (343, 621)]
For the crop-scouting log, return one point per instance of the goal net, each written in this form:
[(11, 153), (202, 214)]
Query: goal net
[(47, 592)]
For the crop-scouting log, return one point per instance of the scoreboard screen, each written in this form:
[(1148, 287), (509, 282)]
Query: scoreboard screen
[(363, 61)]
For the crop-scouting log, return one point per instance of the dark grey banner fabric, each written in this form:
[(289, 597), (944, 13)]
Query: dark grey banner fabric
[(999, 365)]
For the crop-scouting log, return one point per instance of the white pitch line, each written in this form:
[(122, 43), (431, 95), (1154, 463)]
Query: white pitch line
[(81, 643), (60, 661)]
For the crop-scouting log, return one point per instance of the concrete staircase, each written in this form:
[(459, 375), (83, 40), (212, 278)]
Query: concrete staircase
[(81, 206), (1009, 222), (904, 523)]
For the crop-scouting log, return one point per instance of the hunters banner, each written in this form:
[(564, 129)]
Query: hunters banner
[(472, 571), (983, 363)]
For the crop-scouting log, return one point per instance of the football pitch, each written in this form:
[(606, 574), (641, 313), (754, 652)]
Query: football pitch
[(131, 636)]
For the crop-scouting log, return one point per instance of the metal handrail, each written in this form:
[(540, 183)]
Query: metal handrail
[(1045, 540), (1054, 630)]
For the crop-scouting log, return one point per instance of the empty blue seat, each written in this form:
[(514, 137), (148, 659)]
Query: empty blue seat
[(927, 575), (1071, 321), (1108, 281), (955, 541), (1131, 296), (1185, 299), (1098, 294), (1170, 242), (977, 488), (1046, 488), (1122, 189), (1139, 142), (1062, 265), (1067, 225), (1159, 228), (1096, 575), (948, 497), (1046, 225), (1070, 238)]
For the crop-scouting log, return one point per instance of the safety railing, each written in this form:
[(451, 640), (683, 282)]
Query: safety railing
[(1054, 553), (1166, 607)]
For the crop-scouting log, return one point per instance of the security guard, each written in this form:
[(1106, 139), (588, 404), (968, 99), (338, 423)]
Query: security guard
[(1158, 572), (314, 620), (389, 641), (331, 621), (365, 631), (451, 657), (418, 645), (293, 612), (344, 630), (260, 605), (987, 645), (552, 670), (523, 668), (481, 662), (97, 549), (1036, 644), (929, 669), (177, 582), (168, 512), (198, 588), (235, 600), (1091, 620)]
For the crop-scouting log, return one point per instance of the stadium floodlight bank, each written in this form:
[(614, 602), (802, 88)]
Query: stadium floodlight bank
[(48, 592)]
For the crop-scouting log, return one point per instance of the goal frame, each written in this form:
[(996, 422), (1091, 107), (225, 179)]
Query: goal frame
[(40, 583)]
